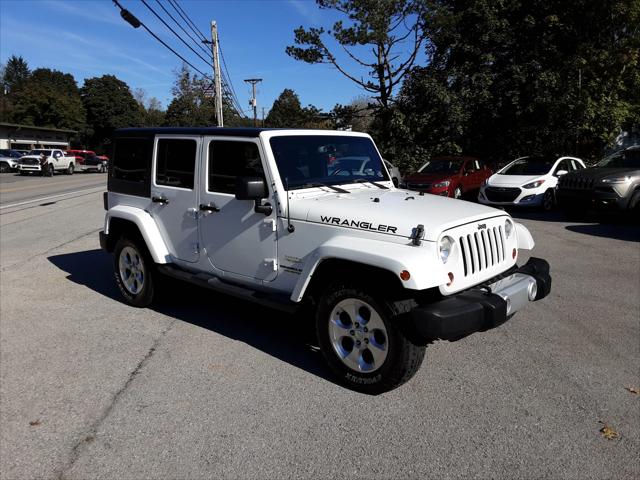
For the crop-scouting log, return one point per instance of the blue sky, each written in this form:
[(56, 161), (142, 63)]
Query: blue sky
[(88, 38)]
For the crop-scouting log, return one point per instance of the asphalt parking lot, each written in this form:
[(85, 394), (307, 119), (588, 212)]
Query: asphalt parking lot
[(204, 386)]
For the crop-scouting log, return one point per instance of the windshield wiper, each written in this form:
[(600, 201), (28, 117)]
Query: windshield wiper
[(364, 180), (320, 184)]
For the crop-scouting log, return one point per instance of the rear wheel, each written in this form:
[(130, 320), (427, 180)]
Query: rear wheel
[(361, 342), (69, 170), (133, 270), (4, 167)]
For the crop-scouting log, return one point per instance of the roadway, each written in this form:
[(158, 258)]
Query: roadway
[(204, 386)]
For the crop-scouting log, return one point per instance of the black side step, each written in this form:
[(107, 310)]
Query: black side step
[(278, 302)]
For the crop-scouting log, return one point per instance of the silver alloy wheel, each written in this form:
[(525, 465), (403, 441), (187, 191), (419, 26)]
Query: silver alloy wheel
[(358, 335), (457, 193), (132, 270)]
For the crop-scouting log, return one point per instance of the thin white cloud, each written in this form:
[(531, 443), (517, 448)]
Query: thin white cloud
[(94, 11), (306, 9)]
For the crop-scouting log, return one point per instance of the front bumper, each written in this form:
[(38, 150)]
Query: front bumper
[(526, 198), (483, 307), (597, 198)]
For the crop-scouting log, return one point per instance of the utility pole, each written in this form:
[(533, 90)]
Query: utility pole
[(253, 101), (262, 117), (217, 78)]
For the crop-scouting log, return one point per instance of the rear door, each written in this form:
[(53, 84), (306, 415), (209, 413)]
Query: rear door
[(174, 193), (237, 240)]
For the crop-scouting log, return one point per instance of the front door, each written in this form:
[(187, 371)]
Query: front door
[(174, 194), (237, 240)]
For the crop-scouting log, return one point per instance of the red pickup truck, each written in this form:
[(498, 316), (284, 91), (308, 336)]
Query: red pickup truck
[(87, 160)]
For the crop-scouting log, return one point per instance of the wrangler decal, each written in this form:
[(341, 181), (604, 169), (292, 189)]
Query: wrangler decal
[(343, 222)]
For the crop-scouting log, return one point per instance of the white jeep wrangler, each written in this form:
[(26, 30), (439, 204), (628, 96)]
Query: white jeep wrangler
[(300, 218)]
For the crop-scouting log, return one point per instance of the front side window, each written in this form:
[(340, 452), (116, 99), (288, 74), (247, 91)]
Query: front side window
[(176, 162), (229, 160), (311, 160), (626, 159), (563, 165)]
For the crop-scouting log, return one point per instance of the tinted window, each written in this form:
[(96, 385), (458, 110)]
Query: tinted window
[(529, 166), (563, 165), (626, 159), (176, 162), (229, 160), (442, 166), (132, 159), (306, 161)]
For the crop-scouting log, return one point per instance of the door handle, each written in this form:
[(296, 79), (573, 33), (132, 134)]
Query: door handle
[(209, 208), (160, 200)]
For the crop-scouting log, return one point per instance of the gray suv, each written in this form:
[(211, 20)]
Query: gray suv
[(614, 182)]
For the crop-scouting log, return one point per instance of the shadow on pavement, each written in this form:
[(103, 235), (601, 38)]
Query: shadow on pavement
[(282, 336), (626, 232)]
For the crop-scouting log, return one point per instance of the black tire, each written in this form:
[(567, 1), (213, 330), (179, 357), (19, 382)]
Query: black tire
[(4, 167), (144, 297), (403, 357), (22, 173), (548, 201), (70, 169)]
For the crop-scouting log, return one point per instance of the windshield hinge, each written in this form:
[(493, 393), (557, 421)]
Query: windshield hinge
[(417, 235)]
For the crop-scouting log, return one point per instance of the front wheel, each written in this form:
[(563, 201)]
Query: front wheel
[(133, 270), (361, 342), (548, 201), (457, 193), (4, 167)]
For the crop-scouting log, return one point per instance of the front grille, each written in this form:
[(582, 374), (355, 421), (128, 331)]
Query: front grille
[(421, 186), (576, 183), (501, 194), (30, 161), (482, 249)]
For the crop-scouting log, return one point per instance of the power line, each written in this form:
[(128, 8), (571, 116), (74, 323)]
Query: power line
[(141, 24), (186, 18), (174, 32), (196, 41)]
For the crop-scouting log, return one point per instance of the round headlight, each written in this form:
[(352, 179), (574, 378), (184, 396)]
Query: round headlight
[(445, 246), (508, 227)]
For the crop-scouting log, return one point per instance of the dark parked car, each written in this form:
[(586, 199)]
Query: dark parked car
[(614, 182), (449, 176)]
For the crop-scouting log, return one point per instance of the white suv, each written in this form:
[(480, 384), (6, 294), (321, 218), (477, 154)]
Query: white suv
[(263, 215)]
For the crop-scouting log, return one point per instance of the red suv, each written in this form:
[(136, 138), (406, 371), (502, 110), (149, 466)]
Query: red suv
[(449, 176)]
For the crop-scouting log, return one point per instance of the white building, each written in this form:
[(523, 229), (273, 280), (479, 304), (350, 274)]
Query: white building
[(27, 137)]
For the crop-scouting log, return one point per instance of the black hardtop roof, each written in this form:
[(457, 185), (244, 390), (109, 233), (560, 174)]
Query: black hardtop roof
[(230, 132)]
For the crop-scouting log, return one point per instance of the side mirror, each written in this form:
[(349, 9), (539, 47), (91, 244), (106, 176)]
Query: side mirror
[(559, 173), (251, 188)]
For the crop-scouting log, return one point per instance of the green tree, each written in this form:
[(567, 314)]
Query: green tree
[(190, 105), (511, 78), (48, 98), (288, 112), (109, 105), (14, 73), (390, 33)]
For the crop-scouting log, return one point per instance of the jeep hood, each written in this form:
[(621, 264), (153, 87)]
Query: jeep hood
[(395, 212), (598, 173)]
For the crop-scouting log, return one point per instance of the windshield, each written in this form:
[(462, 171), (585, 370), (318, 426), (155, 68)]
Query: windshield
[(529, 166), (329, 159), (440, 165), (39, 152), (626, 159)]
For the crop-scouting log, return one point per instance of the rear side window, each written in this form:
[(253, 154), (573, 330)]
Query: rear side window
[(229, 160), (130, 170), (176, 162)]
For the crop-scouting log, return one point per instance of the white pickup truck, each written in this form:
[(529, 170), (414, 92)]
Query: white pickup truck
[(275, 217), (46, 161)]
